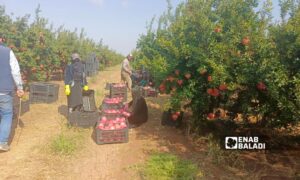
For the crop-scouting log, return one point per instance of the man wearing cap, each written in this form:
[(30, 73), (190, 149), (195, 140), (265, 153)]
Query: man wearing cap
[(10, 79), (75, 79), (126, 71)]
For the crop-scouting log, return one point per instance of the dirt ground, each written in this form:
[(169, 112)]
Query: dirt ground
[(28, 158)]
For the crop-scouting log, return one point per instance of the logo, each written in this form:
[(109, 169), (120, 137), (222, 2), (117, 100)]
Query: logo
[(231, 143), (244, 143)]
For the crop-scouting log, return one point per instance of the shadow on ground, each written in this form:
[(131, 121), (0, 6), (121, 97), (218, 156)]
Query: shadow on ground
[(170, 139), (63, 110)]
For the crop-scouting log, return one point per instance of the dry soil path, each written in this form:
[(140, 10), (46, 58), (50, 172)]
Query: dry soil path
[(29, 157)]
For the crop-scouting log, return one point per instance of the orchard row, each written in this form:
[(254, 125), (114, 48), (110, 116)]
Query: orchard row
[(227, 60), (43, 51)]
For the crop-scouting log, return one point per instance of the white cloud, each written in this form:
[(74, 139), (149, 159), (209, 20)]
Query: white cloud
[(97, 2), (124, 3)]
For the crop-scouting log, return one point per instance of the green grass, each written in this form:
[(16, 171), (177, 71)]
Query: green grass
[(164, 166), (93, 80), (67, 142), (222, 157)]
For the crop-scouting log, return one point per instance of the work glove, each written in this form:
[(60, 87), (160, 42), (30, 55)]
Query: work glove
[(86, 88), (67, 90)]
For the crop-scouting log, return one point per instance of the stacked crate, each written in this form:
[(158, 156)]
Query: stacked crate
[(118, 90), (112, 103), (83, 119), (106, 134), (88, 98), (43, 92), (113, 125), (88, 115), (91, 65), (97, 64)]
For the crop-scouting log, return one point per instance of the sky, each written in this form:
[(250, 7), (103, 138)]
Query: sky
[(119, 23)]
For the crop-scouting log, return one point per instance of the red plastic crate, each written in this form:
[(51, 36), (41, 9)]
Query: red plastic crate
[(118, 88), (105, 105)]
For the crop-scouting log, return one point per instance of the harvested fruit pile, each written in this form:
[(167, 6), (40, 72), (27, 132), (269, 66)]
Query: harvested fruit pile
[(118, 90), (116, 100), (113, 125), (114, 107)]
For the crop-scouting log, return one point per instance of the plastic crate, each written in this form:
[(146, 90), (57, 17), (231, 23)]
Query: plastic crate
[(107, 86), (44, 88), (111, 136), (149, 92), (124, 96), (43, 92), (25, 107), (111, 115), (88, 98), (97, 65), (92, 63), (83, 119), (91, 73), (118, 90), (110, 86), (90, 67), (119, 95), (105, 105), (38, 98)]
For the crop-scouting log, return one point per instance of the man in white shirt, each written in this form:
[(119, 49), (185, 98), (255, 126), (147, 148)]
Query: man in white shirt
[(126, 71), (10, 79)]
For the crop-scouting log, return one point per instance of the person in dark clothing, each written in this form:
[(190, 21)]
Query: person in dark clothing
[(75, 79)]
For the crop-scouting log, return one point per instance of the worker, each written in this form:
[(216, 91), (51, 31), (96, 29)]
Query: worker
[(126, 71), (75, 79)]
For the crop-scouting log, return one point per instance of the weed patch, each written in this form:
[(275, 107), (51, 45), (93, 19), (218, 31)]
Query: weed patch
[(223, 157), (67, 142), (167, 166)]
